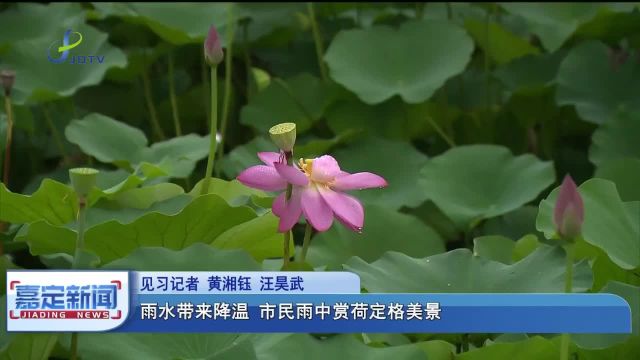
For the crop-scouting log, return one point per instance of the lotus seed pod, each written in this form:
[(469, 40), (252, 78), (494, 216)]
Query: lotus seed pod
[(83, 180), (284, 136)]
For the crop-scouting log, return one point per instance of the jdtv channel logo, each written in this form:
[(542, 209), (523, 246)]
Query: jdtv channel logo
[(66, 300), (58, 52)]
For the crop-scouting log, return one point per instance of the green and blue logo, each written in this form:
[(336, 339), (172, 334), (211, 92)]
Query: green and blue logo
[(61, 51)]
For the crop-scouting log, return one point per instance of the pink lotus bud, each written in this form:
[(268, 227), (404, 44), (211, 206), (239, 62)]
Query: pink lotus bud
[(213, 53), (568, 214), (7, 78)]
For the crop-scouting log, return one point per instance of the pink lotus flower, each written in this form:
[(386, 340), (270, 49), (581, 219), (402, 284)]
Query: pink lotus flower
[(318, 190), (568, 214)]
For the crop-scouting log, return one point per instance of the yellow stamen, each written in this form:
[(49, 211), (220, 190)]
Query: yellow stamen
[(306, 165)]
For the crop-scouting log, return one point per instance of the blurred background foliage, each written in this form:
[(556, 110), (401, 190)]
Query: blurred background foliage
[(471, 111)]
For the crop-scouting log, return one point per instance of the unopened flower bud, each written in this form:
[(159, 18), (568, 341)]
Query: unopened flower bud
[(7, 77), (284, 136), (83, 180), (568, 214), (213, 53)]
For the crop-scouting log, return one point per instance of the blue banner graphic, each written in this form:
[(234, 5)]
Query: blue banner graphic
[(307, 302), (388, 313)]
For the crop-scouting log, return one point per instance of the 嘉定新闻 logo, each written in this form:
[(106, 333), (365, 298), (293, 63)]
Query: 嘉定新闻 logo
[(66, 300), (58, 53)]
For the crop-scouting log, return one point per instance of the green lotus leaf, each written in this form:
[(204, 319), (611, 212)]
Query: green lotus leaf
[(111, 141), (413, 61), (475, 182), (617, 138), (625, 173), (531, 349), (197, 257), (398, 162), (38, 79), (384, 230), (501, 45), (587, 80), (187, 23), (290, 346), (53, 202), (119, 346), (459, 271), (301, 100), (171, 224), (553, 23), (494, 247), (39, 346)]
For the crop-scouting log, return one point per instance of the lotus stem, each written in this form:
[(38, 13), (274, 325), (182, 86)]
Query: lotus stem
[(226, 102), (307, 241), (173, 98), (317, 39), (213, 130)]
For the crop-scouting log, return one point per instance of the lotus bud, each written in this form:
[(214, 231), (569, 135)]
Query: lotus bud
[(568, 214), (213, 53)]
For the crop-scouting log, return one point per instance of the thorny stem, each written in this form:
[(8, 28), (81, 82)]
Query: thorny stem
[(317, 39), (153, 115), (568, 288), (213, 130), (227, 86), (173, 99), (307, 241), (54, 132)]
